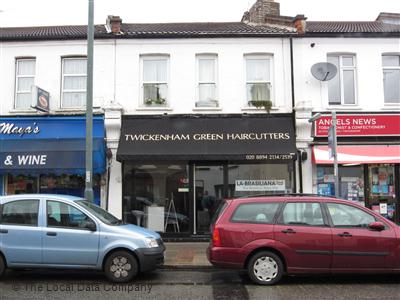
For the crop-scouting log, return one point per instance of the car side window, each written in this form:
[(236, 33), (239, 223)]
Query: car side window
[(255, 213), (303, 213), (343, 215), (60, 214), (20, 212)]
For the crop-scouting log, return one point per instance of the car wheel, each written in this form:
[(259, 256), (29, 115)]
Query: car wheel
[(265, 268), (2, 266), (121, 266)]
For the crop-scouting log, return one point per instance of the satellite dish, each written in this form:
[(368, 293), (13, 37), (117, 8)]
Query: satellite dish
[(323, 71)]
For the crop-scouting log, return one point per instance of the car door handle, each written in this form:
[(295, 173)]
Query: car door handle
[(3, 231), (289, 230), (345, 234), (51, 233)]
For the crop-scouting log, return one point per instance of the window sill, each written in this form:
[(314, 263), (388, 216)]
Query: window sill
[(24, 111), (206, 108), (390, 106), (159, 108), (75, 110), (250, 108), (344, 107)]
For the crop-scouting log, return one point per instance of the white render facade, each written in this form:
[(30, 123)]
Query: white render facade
[(119, 84)]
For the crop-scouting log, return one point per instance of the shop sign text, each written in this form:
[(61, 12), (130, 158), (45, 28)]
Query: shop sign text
[(250, 136), (360, 125), (26, 160), (12, 129), (259, 185)]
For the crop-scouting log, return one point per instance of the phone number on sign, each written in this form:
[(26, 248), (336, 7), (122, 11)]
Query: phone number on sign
[(268, 156)]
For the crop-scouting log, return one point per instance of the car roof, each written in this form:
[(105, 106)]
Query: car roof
[(282, 198), (30, 196)]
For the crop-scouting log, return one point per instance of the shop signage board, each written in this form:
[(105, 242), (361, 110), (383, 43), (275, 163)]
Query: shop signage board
[(30, 145), (207, 138), (40, 99), (359, 125), (259, 185)]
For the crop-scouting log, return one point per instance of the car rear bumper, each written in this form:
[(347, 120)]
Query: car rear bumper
[(224, 257)]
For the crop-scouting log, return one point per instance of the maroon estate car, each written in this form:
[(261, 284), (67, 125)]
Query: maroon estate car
[(276, 235)]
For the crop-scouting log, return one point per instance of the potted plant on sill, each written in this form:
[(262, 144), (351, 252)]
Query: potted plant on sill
[(265, 104), (155, 102)]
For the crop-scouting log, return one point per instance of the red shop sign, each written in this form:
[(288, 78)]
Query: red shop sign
[(360, 125)]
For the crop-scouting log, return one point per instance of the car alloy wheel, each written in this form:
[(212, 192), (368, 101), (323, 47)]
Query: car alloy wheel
[(265, 268), (121, 266)]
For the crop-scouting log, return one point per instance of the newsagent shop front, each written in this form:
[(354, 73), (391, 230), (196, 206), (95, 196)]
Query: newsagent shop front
[(368, 156), (47, 155), (177, 169)]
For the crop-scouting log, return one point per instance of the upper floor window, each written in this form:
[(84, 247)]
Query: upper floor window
[(258, 78), (73, 90), (155, 80), (342, 88), (391, 78), (24, 80), (207, 81)]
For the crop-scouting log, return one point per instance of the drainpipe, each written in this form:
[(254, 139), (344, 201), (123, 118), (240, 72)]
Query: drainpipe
[(294, 121)]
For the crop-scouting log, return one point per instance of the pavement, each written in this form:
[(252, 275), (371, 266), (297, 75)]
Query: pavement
[(186, 255)]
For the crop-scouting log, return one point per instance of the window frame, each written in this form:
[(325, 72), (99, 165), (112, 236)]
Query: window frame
[(16, 91), (274, 219), (340, 72), (260, 56), (62, 90), (150, 57), (67, 227), (15, 224), (323, 213), (383, 77), (209, 56)]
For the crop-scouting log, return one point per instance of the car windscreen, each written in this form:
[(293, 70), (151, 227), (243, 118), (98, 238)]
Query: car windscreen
[(100, 213)]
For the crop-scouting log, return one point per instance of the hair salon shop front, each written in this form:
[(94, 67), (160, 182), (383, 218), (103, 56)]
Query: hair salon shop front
[(177, 169)]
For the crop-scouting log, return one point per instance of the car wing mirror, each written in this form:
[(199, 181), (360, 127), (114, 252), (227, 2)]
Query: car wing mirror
[(376, 226), (90, 225)]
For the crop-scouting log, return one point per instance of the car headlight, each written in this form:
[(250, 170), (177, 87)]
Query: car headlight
[(151, 243)]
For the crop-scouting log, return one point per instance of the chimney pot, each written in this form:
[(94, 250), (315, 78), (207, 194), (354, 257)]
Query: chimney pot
[(299, 22), (114, 24)]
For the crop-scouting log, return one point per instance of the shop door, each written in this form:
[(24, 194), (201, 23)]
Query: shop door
[(210, 189)]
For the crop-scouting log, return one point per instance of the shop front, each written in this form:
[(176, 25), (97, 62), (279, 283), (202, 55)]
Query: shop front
[(177, 169), (368, 157), (47, 155)]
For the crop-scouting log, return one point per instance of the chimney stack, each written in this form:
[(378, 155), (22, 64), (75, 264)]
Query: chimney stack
[(299, 22), (260, 10), (113, 24)]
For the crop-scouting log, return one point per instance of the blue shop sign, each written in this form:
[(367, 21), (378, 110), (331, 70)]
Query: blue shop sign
[(37, 145)]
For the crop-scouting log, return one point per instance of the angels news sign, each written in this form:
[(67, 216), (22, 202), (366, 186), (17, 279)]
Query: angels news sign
[(360, 125)]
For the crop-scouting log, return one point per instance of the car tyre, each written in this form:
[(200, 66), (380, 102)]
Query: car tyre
[(121, 267), (265, 268), (2, 266)]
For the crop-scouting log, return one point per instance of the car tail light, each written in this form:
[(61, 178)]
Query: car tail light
[(216, 238)]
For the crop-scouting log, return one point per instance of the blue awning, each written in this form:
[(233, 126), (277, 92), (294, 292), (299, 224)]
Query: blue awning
[(49, 145)]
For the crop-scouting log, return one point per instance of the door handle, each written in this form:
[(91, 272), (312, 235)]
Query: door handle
[(345, 234), (3, 231), (289, 230), (51, 233)]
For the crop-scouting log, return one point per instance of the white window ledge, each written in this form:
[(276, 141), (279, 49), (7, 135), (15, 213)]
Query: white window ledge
[(391, 107), (160, 108), (207, 108), (343, 107), (251, 108), (28, 111)]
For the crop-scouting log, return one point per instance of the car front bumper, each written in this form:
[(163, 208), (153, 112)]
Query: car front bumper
[(151, 258)]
